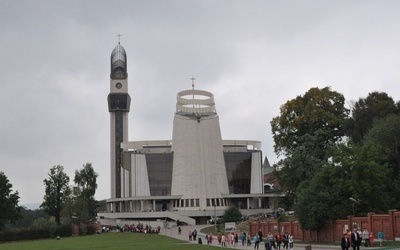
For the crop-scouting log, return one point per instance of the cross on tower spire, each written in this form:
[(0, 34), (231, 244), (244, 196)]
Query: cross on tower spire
[(119, 38), (192, 78)]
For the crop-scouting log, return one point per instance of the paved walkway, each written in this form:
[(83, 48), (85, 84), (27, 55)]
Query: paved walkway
[(173, 232)]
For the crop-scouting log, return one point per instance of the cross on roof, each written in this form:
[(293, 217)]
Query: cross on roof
[(192, 78), (119, 37)]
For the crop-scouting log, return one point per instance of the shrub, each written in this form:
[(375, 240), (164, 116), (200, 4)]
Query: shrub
[(35, 233)]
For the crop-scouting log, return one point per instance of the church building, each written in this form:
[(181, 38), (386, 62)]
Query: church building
[(192, 177)]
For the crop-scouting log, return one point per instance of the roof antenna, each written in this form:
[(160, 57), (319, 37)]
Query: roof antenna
[(119, 38), (192, 81), (193, 78)]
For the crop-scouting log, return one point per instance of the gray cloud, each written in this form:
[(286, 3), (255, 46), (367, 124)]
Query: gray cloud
[(253, 55)]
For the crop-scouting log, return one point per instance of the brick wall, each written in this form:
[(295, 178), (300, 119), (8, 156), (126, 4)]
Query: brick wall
[(388, 223)]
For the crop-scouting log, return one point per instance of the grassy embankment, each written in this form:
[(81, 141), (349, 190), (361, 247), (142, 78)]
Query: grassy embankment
[(106, 241)]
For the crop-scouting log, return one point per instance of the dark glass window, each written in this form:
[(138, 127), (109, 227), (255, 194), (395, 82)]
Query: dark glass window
[(159, 167), (238, 170), (119, 101)]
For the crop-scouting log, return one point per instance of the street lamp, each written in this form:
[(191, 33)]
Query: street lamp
[(215, 219), (354, 201)]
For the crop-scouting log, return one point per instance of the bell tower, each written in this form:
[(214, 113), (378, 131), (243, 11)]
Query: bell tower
[(118, 105)]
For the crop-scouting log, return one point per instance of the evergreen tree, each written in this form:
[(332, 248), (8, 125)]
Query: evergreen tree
[(9, 209)]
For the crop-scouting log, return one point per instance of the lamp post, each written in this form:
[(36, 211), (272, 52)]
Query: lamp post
[(215, 219), (354, 201)]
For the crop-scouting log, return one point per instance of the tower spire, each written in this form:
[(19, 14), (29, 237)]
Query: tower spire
[(119, 38), (192, 78)]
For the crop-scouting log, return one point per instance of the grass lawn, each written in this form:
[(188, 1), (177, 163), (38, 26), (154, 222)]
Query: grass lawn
[(106, 241)]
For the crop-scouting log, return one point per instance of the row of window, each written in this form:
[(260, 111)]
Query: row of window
[(217, 202), (196, 203), (187, 203)]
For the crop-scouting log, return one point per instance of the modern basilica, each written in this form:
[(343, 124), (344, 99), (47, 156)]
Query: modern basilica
[(191, 178)]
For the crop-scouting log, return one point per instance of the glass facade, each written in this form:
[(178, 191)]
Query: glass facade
[(238, 167), (238, 171), (159, 168)]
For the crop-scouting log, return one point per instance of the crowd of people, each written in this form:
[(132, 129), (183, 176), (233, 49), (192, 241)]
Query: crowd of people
[(277, 241), (284, 241), (136, 228), (355, 239)]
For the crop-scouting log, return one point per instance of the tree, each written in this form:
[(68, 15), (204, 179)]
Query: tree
[(57, 191), (386, 133), (353, 171), (365, 111), (85, 188), (304, 161), (305, 131), (318, 110), (232, 214), (9, 209), (27, 218)]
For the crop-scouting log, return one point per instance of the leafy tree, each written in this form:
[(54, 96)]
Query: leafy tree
[(9, 209), (27, 217), (102, 206), (353, 171), (231, 214), (318, 110), (365, 111), (305, 131), (57, 191), (369, 179), (304, 161), (386, 133), (85, 189), (313, 207)]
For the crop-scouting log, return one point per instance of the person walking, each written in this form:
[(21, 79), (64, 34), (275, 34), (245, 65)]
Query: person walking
[(355, 240), (372, 239), (381, 236), (260, 235), (256, 241), (271, 240), (366, 236), (291, 242), (248, 240), (345, 243), (243, 238), (278, 240), (285, 240), (223, 240)]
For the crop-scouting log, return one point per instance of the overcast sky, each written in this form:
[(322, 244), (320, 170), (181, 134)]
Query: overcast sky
[(252, 55)]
